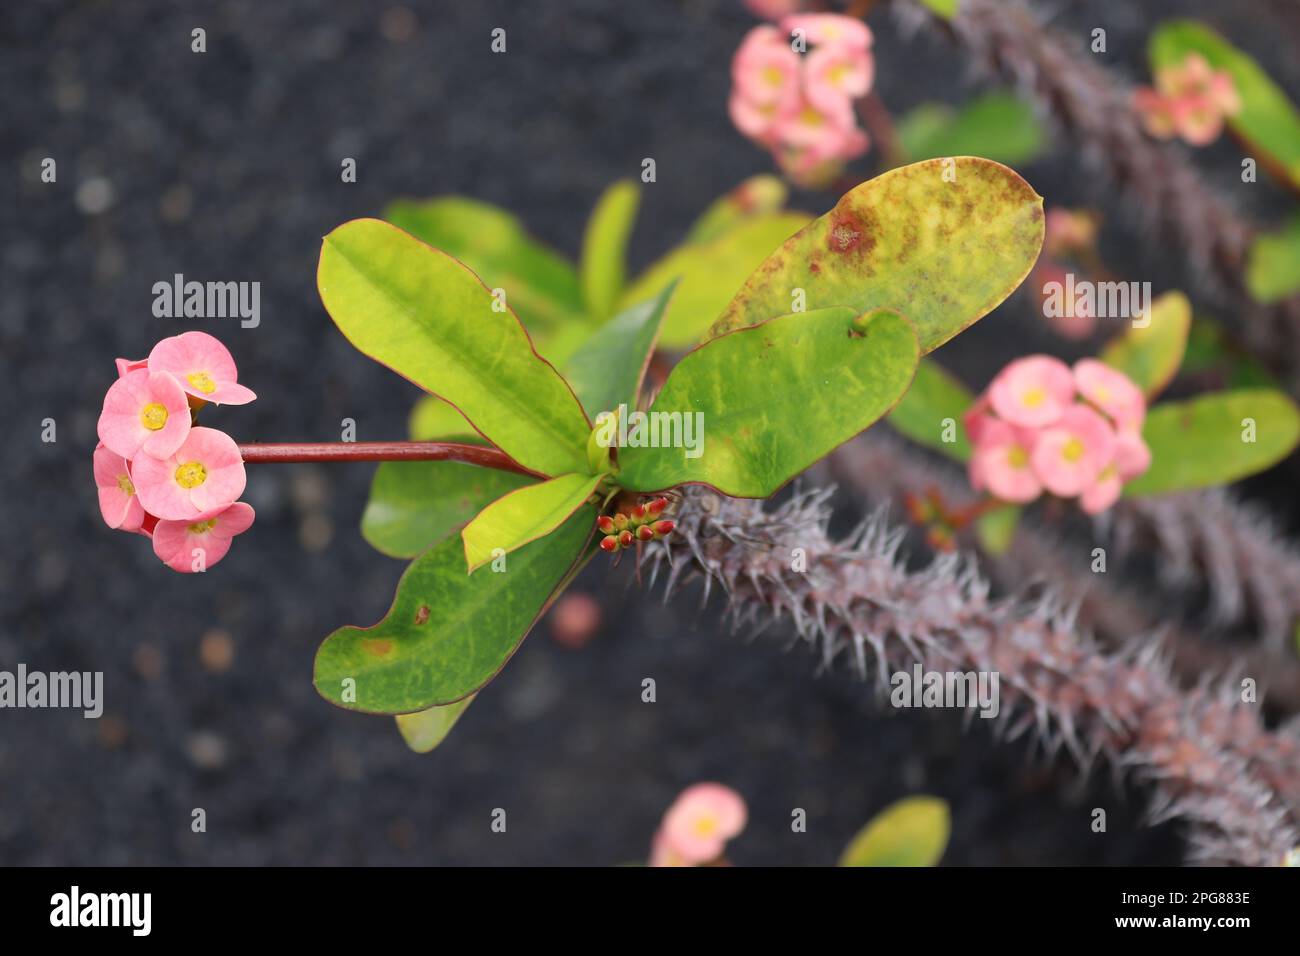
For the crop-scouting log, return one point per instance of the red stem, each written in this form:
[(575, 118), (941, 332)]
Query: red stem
[(270, 452)]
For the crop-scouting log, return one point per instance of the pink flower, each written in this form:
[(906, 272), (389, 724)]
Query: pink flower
[(205, 474), (772, 9), (806, 125), (1032, 391), (662, 852), (1132, 456), (1156, 111), (837, 74), (755, 120), (1102, 493), (701, 821), (209, 534), (1190, 100), (1112, 391), (129, 365), (118, 502), (1071, 454), (144, 411), (203, 366), (821, 28), (1001, 462)]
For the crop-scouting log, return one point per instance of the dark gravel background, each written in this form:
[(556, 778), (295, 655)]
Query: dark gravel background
[(226, 166)]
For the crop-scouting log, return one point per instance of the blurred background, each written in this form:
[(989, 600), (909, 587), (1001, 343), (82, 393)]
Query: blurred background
[(226, 166)]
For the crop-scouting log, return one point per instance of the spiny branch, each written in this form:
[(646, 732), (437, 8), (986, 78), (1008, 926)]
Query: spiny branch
[(1095, 109), (1206, 755)]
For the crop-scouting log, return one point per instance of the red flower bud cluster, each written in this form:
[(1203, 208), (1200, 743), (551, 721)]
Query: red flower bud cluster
[(641, 524)]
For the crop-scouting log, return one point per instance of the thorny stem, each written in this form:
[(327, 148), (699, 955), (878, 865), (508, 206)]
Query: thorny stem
[(281, 452)]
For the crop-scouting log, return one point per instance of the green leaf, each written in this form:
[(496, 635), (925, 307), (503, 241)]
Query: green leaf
[(1213, 355), (430, 319), (922, 414), (415, 503), (1268, 121), (944, 8), (1150, 355), (425, 730), (1273, 264), (1203, 442), (942, 241), (911, 832), (448, 633), (541, 286), (432, 419), (711, 272), (996, 529), (524, 515), (604, 248), (997, 126), (756, 196), (774, 399), (608, 368)]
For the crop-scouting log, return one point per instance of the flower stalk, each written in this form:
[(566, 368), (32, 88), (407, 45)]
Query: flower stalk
[(260, 453)]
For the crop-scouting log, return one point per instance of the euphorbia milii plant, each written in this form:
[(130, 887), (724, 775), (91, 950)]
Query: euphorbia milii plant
[(821, 341)]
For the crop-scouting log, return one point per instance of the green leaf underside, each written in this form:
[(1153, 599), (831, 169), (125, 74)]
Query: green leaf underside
[(756, 196), (911, 832), (415, 503), (934, 396), (1151, 355), (524, 515), (1268, 121), (541, 286), (1199, 443), (604, 248), (425, 730), (997, 126), (448, 633), (775, 398), (430, 319), (1273, 264), (942, 253), (607, 369), (711, 272)]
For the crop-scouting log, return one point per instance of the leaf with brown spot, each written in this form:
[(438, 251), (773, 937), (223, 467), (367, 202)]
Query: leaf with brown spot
[(942, 253)]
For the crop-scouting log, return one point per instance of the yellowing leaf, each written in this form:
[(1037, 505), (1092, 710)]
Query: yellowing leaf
[(941, 241), (911, 832)]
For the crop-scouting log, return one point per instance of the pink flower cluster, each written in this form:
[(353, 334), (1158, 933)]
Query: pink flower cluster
[(696, 828), (158, 473), (801, 106), (1042, 426), (1190, 101)]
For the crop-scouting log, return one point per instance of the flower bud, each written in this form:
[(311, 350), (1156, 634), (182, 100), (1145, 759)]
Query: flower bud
[(606, 524), (662, 528), (645, 533), (609, 543), (656, 507), (620, 521), (638, 514), (625, 539)]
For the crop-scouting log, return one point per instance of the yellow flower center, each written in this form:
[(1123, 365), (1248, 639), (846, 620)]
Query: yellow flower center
[(153, 416), (201, 527), (124, 483), (706, 826), (191, 474), (1033, 397), (773, 76), (1017, 457), (202, 381), (1072, 450), (810, 116), (837, 73)]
